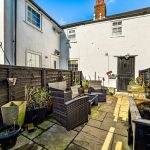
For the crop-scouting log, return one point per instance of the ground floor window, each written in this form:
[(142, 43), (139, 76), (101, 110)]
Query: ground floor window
[(33, 60), (73, 65)]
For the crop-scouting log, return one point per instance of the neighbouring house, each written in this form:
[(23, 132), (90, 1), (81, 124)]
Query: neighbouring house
[(30, 36), (117, 44)]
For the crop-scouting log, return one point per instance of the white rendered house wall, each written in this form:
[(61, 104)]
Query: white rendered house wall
[(2, 30), (93, 41), (42, 42)]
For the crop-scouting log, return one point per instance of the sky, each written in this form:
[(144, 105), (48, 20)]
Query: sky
[(70, 11)]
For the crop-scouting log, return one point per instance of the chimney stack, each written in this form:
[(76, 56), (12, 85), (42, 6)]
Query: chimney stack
[(100, 9)]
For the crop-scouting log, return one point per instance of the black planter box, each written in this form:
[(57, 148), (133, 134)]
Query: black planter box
[(139, 128), (36, 116)]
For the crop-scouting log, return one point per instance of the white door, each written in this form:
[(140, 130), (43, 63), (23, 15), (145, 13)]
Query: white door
[(54, 62)]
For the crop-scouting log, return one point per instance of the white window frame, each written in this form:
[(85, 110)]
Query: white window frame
[(34, 53), (39, 28), (117, 25), (71, 34)]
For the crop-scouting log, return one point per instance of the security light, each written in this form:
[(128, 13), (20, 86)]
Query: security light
[(127, 56), (106, 54)]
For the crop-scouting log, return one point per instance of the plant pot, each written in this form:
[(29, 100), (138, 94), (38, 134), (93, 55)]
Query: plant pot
[(9, 140), (112, 90), (49, 107), (14, 111), (36, 116)]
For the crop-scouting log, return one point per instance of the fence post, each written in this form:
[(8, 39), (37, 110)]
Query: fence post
[(9, 88), (43, 78), (71, 77)]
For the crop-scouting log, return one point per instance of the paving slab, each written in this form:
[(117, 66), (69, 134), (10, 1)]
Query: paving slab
[(121, 128), (75, 147), (120, 143), (88, 141), (79, 128), (98, 115), (56, 138), (33, 134), (107, 123), (95, 132), (107, 108), (45, 125), (94, 123), (110, 115), (25, 144)]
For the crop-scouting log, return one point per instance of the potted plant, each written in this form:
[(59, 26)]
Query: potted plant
[(8, 136), (42, 97), (38, 103)]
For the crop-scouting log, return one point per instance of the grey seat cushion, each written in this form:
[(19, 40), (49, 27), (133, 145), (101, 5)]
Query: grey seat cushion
[(75, 91), (58, 85), (95, 84)]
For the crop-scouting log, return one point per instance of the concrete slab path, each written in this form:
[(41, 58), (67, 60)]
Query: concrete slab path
[(105, 130)]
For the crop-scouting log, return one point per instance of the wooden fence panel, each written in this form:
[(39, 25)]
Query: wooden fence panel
[(36, 77)]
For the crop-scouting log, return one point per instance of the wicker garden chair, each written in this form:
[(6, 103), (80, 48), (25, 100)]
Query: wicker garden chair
[(95, 88), (69, 112)]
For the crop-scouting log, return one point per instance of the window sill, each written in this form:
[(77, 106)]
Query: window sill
[(73, 42), (117, 36), (33, 26)]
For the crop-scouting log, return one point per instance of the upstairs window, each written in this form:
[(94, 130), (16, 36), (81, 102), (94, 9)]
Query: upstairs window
[(72, 35), (117, 28), (33, 17), (73, 65)]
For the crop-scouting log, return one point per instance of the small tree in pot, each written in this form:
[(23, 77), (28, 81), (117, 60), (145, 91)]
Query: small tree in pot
[(38, 102)]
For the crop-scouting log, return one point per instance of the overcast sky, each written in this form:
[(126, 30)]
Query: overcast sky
[(69, 11)]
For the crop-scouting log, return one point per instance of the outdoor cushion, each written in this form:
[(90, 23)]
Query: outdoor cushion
[(75, 91), (95, 84), (58, 85)]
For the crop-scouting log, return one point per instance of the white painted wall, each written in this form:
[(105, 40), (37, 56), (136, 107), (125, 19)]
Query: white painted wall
[(94, 40), (2, 30), (29, 38), (64, 55)]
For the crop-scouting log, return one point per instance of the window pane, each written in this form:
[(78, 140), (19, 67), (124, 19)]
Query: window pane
[(117, 28), (114, 23), (73, 65), (120, 23)]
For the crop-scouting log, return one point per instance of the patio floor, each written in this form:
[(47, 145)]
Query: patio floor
[(105, 130)]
